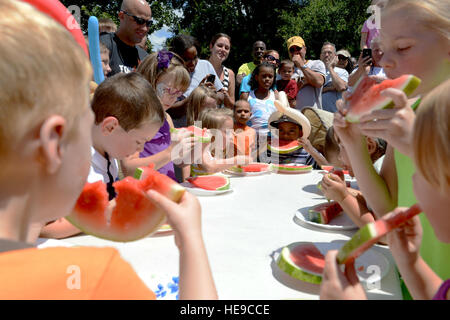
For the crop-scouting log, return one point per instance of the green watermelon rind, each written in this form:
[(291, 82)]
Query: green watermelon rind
[(225, 187), (277, 167), (411, 84), (138, 173), (360, 238), (315, 216), (198, 138), (283, 151), (285, 263)]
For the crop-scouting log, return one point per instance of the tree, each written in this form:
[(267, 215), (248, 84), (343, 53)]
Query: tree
[(162, 13), (338, 22), (245, 21)]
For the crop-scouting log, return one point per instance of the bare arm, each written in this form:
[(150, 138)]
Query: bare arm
[(196, 280), (59, 229), (313, 78), (363, 40), (338, 84), (379, 190)]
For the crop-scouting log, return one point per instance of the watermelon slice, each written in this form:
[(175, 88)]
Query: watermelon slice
[(211, 182), (284, 146), (291, 168), (371, 233), (302, 261), (201, 135), (253, 167), (325, 212), (133, 217), (335, 170), (366, 95)]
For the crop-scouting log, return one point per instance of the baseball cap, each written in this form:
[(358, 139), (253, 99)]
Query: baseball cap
[(344, 53), (295, 41)]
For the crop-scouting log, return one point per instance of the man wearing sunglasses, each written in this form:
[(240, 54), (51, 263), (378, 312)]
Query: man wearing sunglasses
[(310, 75), (135, 21), (336, 78)]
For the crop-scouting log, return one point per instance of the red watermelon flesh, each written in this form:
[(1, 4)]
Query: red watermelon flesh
[(332, 169), (308, 258), (284, 146), (371, 233), (211, 182), (339, 173), (201, 134), (133, 217), (325, 212), (366, 96), (255, 167), (91, 205)]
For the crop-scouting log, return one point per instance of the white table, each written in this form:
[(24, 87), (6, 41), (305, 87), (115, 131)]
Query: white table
[(242, 231)]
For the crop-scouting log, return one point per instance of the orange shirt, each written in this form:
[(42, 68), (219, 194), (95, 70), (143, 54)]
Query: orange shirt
[(244, 140), (69, 273)]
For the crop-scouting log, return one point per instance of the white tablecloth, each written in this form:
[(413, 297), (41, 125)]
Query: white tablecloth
[(243, 231)]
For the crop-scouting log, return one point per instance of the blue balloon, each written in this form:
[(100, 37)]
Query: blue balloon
[(94, 49)]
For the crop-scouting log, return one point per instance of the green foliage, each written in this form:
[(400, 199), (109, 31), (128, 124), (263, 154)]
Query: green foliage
[(338, 22), (273, 21), (162, 12)]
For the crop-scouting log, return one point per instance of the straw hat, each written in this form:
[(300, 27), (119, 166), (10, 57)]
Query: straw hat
[(287, 114)]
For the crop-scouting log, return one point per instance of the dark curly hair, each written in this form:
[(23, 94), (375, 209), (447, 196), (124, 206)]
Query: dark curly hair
[(253, 83)]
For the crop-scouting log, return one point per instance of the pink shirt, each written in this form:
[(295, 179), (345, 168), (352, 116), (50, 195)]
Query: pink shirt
[(369, 27)]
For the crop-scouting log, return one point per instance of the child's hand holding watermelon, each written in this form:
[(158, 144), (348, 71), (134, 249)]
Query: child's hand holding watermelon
[(334, 188), (196, 281), (405, 241), (338, 285), (393, 125)]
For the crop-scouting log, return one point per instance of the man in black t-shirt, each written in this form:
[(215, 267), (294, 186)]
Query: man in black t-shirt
[(135, 21)]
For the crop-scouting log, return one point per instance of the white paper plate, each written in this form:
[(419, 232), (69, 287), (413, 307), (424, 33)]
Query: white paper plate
[(371, 267), (51, 243), (202, 192), (341, 222)]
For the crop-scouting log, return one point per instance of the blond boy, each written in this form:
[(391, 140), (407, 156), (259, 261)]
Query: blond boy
[(45, 141)]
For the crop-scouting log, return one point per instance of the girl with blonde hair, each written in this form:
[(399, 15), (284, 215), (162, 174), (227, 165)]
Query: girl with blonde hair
[(421, 49)]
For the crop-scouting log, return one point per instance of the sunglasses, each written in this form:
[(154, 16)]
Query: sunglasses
[(271, 58), (341, 57), (140, 21), (294, 49)]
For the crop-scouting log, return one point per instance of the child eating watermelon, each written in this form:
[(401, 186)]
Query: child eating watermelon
[(431, 182), (45, 155), (290, 132), (127, 114), (352, 201), (219, 154)]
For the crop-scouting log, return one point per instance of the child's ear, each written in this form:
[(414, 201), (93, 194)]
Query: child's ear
[(108, 125), (371, 145), (50, 136)]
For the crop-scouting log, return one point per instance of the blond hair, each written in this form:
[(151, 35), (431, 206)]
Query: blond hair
[(214, 118), (106, 25), (431, 137), (433, 14), (152, 72), (195, 102), (48, 76)]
